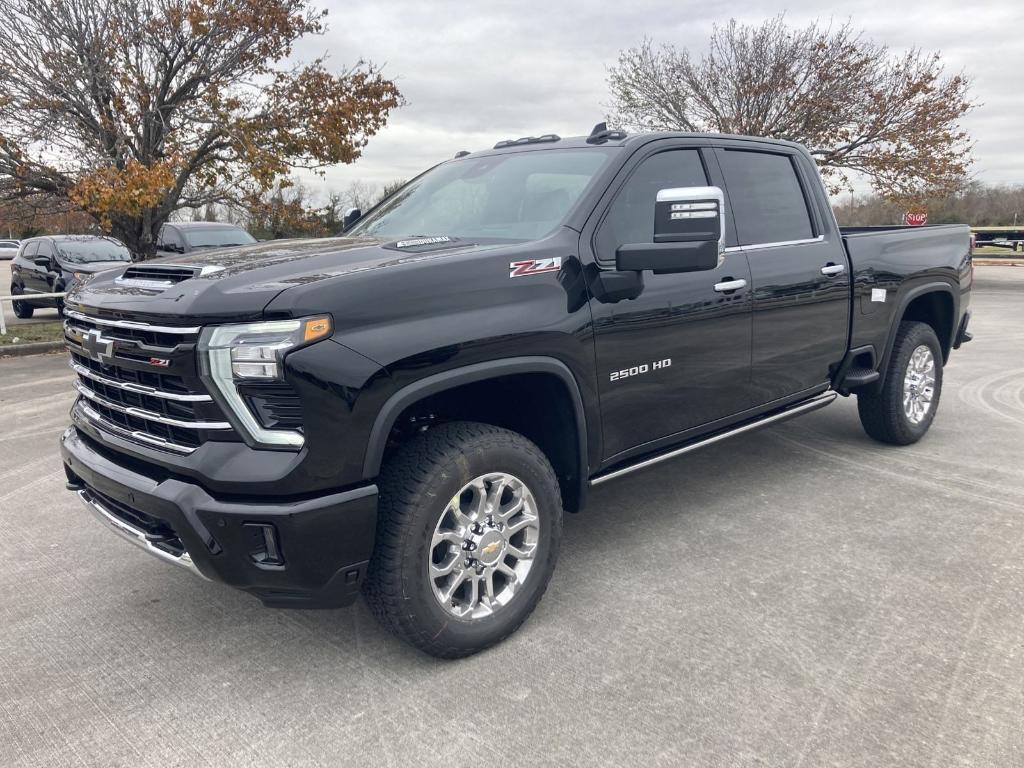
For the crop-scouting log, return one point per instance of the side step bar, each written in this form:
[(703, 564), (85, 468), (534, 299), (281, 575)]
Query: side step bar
[(820, 401)]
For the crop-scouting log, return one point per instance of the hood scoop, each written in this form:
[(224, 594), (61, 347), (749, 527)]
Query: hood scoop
[(162, 276)]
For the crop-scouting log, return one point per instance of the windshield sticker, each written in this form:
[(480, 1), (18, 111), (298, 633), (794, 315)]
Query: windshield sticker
[(534, 266), (422, 241)]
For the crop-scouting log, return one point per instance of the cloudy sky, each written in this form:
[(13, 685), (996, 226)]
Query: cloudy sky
[(475, 73)]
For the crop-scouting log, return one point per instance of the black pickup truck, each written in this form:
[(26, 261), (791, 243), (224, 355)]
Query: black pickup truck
[(406, 410)]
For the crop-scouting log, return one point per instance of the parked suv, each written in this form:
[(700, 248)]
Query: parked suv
[(56, 263), (408, 409), (189, 236)]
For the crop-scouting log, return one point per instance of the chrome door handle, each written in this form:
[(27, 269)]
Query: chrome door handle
[(730, 285), (833, 269)]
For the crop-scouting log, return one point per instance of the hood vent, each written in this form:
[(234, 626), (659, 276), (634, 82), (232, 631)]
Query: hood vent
[(162, 275)]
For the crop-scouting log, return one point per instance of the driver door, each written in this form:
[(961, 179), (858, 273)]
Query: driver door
[(677, 357)]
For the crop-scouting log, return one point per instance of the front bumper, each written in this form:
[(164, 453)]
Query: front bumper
[(323, 542)]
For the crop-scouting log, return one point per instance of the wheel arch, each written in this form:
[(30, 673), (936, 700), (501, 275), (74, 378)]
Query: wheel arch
[(934, 303), (571, 465)]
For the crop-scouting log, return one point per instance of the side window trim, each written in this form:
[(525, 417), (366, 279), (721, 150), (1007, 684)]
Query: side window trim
[(622, 179), (817, 230)]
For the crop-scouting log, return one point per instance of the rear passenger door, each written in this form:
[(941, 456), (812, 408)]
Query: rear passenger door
[(35, 277), (800, 278)]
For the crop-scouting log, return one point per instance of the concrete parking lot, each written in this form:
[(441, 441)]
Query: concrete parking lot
[(798, 597)]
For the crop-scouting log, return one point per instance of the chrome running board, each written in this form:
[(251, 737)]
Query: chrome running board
[(820, 401)]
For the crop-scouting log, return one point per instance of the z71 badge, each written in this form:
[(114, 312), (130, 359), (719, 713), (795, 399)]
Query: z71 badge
[(534, 266)]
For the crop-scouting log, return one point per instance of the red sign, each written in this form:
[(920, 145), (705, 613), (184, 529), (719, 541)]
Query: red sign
[(915, 219)]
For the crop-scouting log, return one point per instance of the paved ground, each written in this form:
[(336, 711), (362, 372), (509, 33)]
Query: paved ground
[(799, 597)]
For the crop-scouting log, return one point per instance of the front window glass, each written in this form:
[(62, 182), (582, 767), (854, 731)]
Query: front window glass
[(93, 249), (518, 196)]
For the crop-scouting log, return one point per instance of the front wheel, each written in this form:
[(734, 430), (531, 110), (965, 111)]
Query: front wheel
[(468, 531), (901, 412), (22, 310)]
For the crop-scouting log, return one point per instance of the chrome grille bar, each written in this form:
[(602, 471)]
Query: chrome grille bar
[(139, 389), (132, 325), (116, 429), (142, 413)]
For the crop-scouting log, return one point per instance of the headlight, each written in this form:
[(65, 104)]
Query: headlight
[(254, 352)]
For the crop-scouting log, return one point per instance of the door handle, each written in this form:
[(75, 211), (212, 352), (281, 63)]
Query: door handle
[(727, 286), (831, 270)]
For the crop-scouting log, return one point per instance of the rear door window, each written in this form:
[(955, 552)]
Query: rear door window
[(768, 202)]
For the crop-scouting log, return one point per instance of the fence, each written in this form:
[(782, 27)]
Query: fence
[(3, 321)]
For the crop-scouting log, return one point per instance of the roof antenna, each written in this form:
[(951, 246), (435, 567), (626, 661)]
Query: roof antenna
[(601, 134)]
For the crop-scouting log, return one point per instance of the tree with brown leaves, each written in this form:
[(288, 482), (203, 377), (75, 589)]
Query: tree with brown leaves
[(135, 109), (855, 104)]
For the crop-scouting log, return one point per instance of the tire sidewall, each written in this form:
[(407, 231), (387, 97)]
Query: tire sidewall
[(21, 309), (420, 604)]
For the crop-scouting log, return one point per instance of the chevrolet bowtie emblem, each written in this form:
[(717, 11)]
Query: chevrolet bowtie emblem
[(491, 548), (97, 346)]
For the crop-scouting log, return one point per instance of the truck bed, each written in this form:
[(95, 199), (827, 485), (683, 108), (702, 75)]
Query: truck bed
[(892, 265)]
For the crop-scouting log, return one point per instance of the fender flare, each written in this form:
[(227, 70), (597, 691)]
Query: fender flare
[(901, 308), (469, 374)]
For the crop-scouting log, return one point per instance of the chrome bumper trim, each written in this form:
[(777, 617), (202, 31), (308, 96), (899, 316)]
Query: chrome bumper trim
[(135, 536)]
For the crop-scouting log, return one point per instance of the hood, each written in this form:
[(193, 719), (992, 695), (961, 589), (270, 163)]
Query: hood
[(91, 267), (227, 284)]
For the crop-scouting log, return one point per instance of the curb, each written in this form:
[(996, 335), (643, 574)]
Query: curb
[(997, 262), (36, 348)]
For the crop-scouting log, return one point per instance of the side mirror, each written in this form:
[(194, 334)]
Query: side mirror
[(352, 215), (688, 233), (42, 261)]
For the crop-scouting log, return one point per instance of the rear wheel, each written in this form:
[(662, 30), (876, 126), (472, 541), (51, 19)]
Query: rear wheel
[(903, 410), (22, 310), (468, 532)]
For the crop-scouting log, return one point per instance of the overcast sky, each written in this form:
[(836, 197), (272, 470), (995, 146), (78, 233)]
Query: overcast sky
[(475, 73)]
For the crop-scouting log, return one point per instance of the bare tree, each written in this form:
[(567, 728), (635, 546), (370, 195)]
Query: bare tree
[(857, 106), (135, 109)]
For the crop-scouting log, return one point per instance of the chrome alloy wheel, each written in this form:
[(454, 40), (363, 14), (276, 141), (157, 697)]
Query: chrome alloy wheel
[(919, 384), (483, 546)]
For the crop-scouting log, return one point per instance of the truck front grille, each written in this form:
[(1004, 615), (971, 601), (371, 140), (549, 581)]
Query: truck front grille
[(140, 382)]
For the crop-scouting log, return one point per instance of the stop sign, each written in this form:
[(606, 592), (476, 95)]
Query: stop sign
[(915, 219)]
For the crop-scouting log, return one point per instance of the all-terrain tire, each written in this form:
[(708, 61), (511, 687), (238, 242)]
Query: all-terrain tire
[(417, 485), (883, 414)]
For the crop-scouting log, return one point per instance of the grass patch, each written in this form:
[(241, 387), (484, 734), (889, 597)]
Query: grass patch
[(30, 333), (990, 251)]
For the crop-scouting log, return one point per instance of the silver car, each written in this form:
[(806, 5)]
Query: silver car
[(9, 249)]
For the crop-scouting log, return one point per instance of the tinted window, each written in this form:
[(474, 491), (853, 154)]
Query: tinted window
[(217, 237), (518, 196), (92, 250), (768, 203), (170, 240), (630, 218), (30, 249), (45, 249)]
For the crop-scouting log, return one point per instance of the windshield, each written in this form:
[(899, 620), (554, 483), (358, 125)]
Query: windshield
[(88, 251), (217, 237), (520, 196)]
